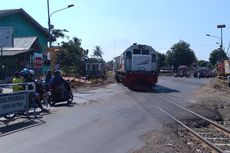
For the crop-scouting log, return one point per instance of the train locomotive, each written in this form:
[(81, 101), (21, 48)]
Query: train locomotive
[(136, 67)]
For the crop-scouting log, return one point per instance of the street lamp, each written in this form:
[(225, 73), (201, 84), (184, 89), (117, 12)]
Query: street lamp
[(50, 27), (221, 45), (220, 38), (220, 58), (221, 27), (213, 36)]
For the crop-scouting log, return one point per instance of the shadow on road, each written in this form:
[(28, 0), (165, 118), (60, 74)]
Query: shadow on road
[(162, 89), (64, 104), (157, 89), (7, 129)]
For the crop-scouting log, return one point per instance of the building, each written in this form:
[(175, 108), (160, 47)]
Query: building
[(94, 67), (29, 43)]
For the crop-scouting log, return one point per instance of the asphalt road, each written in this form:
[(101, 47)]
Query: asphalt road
[(111, 119)]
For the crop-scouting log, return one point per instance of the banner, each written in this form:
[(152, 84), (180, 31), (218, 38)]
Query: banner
[(12, 102)]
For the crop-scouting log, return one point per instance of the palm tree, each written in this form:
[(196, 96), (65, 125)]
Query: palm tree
[(97, 52)]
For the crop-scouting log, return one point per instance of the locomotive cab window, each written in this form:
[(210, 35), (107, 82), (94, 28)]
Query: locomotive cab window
[(128, 55), (136, 51), (153, 57), (145, 52)]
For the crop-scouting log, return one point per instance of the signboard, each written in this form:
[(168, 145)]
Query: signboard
[(227, 66), (12, 102), (38, 60), (6, 37)]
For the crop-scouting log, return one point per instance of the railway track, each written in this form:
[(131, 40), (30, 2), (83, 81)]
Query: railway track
[(208, 133)]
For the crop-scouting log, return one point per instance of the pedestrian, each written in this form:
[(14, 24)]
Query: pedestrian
[(198, 74)]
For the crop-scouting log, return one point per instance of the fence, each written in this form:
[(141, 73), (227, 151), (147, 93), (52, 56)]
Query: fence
[(18, 101)]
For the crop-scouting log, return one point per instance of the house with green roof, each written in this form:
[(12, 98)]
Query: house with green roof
[(29, 43)]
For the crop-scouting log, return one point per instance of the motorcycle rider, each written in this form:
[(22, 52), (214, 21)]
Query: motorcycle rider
[(46, 81), (57, 83), (48, 77), (17, 79), (29, 78)]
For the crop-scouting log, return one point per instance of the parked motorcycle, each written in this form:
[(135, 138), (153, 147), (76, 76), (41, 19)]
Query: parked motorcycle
[(57, 95)]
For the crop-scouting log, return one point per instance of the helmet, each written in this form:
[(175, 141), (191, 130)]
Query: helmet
[(57, 73), (26, 72), (32, 72)]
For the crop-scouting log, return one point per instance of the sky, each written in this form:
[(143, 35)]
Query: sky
[(114, 25)]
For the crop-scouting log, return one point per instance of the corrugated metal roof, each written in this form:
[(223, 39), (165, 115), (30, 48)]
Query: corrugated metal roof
[(24, 42), (13, 52), (21, 45)]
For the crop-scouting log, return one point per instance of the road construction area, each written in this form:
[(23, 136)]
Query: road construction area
[(115, 119)]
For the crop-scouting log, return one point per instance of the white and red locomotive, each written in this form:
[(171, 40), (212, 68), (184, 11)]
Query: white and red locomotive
[(136, 67)]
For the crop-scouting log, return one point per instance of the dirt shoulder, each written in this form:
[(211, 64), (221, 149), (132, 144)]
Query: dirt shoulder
[(212, 101), (165, 140), (94, 84), (215, 97)]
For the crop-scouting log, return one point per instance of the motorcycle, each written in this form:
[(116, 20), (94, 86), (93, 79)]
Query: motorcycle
[(61, 94), (42, 93)]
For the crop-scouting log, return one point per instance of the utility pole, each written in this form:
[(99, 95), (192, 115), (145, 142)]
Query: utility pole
[(48, 10)]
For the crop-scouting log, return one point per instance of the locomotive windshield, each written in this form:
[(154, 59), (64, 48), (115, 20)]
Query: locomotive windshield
[(145, 52), (136, 51)]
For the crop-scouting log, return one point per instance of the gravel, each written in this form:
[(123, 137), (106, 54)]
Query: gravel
[(212, 101)]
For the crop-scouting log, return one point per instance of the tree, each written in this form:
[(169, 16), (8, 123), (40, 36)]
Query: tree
[(161, 59), (58, 33), (97, 52), (217, 55), (70, 56), (180, 54), (203, 63)]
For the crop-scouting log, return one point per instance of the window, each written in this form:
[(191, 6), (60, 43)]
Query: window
[(145, 52), (128, 55), (136, 51), (88, 67), (95, 67)]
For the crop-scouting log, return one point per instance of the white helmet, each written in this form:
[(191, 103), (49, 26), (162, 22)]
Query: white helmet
[(32, 72)]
